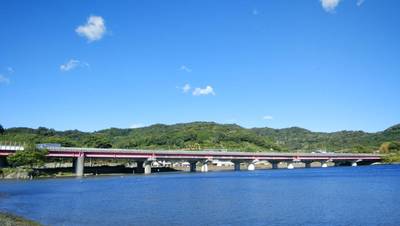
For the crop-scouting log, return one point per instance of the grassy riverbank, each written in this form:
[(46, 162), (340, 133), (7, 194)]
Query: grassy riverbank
[(7, 219)]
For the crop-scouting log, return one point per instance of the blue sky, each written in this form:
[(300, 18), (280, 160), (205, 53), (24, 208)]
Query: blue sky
[(323, 65)]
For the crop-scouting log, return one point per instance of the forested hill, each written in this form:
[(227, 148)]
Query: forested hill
[(209, 135), (296, 138)]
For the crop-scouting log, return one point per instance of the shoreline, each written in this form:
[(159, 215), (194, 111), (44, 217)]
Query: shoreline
[(10, 219)]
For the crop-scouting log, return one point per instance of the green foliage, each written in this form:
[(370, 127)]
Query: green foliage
[(97, 141), (7, 219), (392, 158), (390, 147), (209, 135), (29, 157), (1, 129)]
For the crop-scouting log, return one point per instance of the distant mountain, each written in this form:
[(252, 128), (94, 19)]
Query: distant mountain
[(210, 135), (296, 138)]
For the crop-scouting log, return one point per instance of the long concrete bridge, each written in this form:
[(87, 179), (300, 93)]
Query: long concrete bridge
[(145, 158)]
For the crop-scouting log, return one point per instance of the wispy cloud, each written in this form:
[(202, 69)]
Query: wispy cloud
[(186, 88), (330, 5), (137, 125), (185, 68), (360, 2), (72, 64), (208, 90), (267, 117), (93, 30), (4, 79)]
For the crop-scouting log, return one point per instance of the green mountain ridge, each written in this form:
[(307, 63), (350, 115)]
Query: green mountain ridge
[(210, 135)]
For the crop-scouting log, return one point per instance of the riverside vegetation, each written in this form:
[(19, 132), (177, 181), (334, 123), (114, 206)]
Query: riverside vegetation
[(7, 219)]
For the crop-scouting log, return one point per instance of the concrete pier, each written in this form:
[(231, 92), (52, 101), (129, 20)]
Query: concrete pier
[(274, 164), (236, 165), (192, 166), (79, 163), (324, 164), (147, 167), (251, 167), (204, 167), (290, 166), (354, 164)]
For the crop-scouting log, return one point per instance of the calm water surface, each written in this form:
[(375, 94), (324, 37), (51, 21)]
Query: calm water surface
[(329, 196)]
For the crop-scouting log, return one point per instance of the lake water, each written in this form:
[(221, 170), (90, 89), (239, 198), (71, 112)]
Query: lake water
[(362, 196)]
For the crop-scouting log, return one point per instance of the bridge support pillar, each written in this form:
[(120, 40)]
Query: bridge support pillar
[(274, 164), (307, 164), (204, 167), (290, 165), (3, 162), (192, 166), (251, 167), (147, 167), (354, 164), (324, 164), (79, 163), (236, 165)]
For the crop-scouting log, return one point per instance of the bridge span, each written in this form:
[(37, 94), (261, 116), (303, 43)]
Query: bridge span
[(145, 158)]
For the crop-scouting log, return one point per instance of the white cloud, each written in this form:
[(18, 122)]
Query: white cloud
[(268, 117), (72, 64), (360, 2), (185, 68), (93, 30), (137, 125), (203, 91), (4, 79), (330, 5), (186, 88)]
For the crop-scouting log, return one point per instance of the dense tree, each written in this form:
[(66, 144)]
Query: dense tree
[(390, 147), (30, 157), (1, 129)]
